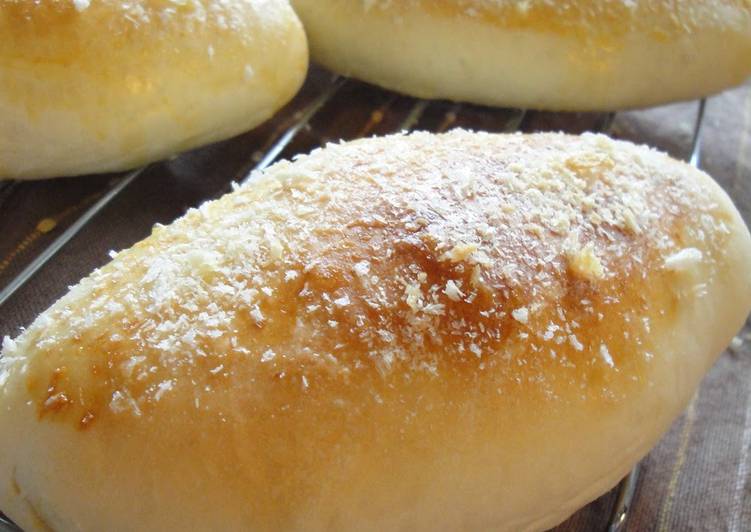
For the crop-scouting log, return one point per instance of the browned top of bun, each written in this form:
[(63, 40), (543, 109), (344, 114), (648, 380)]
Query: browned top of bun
[(659, 18), (486, 261), (131, 47), (57, 31)]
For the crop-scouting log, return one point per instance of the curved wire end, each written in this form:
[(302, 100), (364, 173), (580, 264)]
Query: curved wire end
[(626, 491)]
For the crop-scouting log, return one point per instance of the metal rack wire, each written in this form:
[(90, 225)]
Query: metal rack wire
[(274, 147)]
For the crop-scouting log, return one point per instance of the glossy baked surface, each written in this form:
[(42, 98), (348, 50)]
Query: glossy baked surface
[(101, 86), (509, 307)]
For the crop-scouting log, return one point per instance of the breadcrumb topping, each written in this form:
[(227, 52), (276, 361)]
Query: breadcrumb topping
[(379, 254)]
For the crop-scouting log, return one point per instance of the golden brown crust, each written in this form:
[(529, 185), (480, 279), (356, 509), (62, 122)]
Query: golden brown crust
[(591, 19), (125, 43), (405, 289), (395, 256), (105, 85)]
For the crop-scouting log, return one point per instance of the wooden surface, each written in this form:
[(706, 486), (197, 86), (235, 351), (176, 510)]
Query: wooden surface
[(697, 478)]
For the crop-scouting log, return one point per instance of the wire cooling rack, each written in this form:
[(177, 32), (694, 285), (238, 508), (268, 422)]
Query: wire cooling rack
[(332, 108)]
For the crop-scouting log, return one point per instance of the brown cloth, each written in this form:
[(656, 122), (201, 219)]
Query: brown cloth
[(697, 478)]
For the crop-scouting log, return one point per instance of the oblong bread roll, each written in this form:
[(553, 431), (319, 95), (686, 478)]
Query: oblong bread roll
[(98, 86), (561, 55), (462, 331)]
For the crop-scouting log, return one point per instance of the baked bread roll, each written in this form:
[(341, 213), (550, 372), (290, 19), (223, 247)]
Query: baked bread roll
[(465, 331), (561, 55), (100, 86)]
